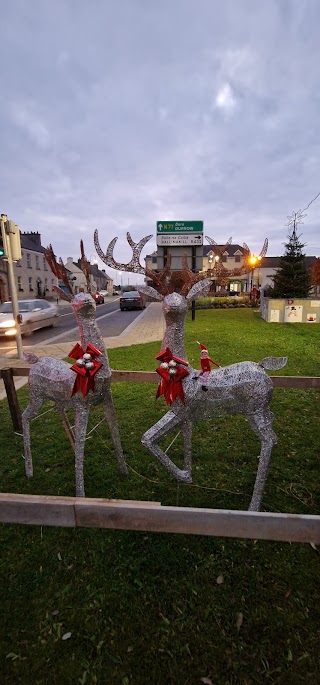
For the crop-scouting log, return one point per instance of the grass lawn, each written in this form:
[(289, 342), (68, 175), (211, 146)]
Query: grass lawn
[(126, 608)]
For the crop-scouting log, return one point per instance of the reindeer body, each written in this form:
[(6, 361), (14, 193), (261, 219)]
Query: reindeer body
[(52, 379), (242, 388)]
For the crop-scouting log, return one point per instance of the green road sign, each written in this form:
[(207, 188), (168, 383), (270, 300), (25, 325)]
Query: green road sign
[(179, 227)]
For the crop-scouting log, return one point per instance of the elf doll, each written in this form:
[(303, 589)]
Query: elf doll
[(205, 362)]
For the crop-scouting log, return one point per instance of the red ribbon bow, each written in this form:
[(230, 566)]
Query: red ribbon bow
[(85, 377), (170, 385)]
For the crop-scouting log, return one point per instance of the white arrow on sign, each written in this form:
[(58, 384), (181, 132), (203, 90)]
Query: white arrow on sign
[(160, 226)]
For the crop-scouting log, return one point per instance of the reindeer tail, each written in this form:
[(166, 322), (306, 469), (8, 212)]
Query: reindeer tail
[(273, 363), (30, 358)]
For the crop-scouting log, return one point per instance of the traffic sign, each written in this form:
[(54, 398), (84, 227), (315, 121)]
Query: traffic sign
[(179, 227), (164, 240)]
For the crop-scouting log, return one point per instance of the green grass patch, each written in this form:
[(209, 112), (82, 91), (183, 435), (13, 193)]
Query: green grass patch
[(141, 608)]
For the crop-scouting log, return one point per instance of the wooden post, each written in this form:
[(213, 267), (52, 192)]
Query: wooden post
[(15, 411)]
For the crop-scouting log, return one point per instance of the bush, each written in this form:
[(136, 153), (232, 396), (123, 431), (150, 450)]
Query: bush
[(224, 302)]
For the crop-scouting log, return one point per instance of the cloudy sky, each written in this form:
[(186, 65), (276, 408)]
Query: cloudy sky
[(118, 113)]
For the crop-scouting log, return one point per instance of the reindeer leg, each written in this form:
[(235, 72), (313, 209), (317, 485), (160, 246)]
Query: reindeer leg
[(187, 441), (261, 423), (114, 430), (149, 439), (32, 410), (81, 422)]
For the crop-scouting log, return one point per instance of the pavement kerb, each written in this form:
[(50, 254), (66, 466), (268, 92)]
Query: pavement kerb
[(148, 327)]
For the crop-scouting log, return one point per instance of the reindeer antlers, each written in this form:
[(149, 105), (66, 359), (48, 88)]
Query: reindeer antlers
[(134, 264), (84, 265), (59, 270)]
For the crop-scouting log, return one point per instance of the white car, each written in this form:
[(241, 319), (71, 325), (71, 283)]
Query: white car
[(34, 314), (104, 293)]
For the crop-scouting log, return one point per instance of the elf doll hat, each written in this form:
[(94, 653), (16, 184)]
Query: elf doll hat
[(202, 347)]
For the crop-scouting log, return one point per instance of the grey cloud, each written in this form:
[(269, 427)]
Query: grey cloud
[(110, 119)]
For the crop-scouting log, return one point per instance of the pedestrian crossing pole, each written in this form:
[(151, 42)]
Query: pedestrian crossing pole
[(11, 242)]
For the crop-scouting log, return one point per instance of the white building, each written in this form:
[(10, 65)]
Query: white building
[(33, 275)]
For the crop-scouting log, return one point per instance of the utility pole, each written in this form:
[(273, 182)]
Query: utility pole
[(9, 228)]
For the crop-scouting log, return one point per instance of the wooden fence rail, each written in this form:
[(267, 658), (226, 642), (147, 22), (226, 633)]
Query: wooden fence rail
[(73, 512), (303, 382)]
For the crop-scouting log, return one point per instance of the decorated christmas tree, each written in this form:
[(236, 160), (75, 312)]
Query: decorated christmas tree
[(293, 278)]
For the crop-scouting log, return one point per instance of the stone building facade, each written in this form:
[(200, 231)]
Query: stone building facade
[(33, 275)]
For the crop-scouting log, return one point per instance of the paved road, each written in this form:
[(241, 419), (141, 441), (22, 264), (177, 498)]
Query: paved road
[(110, 319)]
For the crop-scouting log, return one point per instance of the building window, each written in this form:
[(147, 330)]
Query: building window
[(29, 261), (237, 258), (46, 284), (30, 283), (37, 263), (19, 284), (18, 262), (154, 260), (224, 258), (45, 265)]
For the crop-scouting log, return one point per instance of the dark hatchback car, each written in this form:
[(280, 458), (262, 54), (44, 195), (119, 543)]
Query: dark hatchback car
[(131, 300)]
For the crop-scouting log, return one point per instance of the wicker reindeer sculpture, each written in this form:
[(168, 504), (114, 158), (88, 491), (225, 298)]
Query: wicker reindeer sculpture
[(242, 388), (52, 379)]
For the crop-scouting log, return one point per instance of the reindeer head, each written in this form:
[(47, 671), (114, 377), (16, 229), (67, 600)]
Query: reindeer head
[(174, 288), (82, 303)]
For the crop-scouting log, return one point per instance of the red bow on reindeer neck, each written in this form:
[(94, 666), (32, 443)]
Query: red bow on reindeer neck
[(85, 367), (171, 374)]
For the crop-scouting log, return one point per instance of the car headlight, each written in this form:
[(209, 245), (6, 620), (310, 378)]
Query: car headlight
[(8, 323)]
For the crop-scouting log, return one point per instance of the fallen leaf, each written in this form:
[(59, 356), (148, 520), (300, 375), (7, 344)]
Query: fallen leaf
[(313, 546), (59, 556), (55, 612), (66, 636), (206, 681), (220, 580), (239, 620), (130, 649)]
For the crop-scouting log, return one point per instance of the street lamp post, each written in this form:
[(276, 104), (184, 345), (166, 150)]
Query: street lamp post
[(253, 260)]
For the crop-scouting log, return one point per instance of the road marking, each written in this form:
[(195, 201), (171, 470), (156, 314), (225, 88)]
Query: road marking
[(72, 330)]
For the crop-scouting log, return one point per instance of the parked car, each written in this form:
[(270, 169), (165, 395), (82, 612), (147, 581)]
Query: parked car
[(98, 297), (104, 293), (34, 314), (131, 300)]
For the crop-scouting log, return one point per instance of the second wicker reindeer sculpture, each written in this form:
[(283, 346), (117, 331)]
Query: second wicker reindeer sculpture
[(243, 388)]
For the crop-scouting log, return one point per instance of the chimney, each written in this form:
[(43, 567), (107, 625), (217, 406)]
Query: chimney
[(34, 236)]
